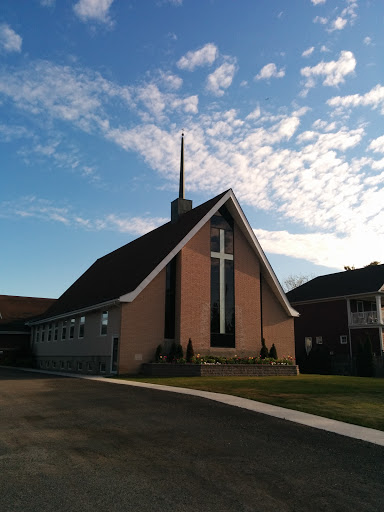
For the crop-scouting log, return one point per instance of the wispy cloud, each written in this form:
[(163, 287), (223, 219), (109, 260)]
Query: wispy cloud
[(270, 71), (47, 210), (318, 2), (93, 10), (204, 56), (308, 52), (9, 40), (373, 98)]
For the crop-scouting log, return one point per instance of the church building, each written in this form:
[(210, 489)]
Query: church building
[(202, 276)]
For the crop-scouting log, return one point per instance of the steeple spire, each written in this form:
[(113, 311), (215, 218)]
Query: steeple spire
[(181, 186), (180, 205)]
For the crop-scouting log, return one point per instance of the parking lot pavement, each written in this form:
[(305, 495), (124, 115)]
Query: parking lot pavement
[(70, 444)]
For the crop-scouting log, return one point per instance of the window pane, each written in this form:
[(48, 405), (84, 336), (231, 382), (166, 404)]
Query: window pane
[(215, 239), (229, 298), (215, 295), (228, 242)]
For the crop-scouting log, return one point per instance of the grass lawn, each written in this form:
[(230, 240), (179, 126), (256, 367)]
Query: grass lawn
[(357, 400)]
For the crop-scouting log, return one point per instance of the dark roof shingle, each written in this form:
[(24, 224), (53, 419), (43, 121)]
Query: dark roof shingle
[(350, 282)]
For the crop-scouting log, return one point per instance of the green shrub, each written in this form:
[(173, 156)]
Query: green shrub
[(190, 351), (263, 351), (273, 352), (179, 354)]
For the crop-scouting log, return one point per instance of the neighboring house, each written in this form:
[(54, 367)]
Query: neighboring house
[(338, 311), (203, 276), (14, 333)]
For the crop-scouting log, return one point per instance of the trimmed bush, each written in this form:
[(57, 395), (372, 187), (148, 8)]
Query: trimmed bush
[(158, 353), (273, 352), (179, 354), (263, 351), (190, 351)]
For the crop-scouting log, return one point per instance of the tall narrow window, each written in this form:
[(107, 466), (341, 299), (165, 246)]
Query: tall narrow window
[(71, 328), (81, 327), (49, 332), (64, 330), (104, 323), (42, 333), (55, 331), (222, 280), (170, 294)]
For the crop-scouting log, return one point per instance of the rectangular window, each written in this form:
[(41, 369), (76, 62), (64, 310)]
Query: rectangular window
[(89, 367), (49, 332), (69, 365), (71, 328), (343, 339), (42, 333), (37, 334), (41, 364), (64, 330), (102, 368), (360, 308), (53, 364), (170, 295), (62, 365), (319, 340), (308, 344), (79, 366), (55, 331), (104, 323), (81, 326), (47, 364)]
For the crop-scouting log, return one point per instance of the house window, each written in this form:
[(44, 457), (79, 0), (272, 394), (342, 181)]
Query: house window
[(47, 364), (69, 365), (102, 368), (41, 364), (222, 281), (62, 365), (79, 366), (81, 327), (308, 344), (319, 340), (37, 333), (71, 328), (360, 308), (104, 323), (343, 339), (53, 364), (89, 367), (55, 331), (49, 332), (64, 330), (42, 333), (170, 294)]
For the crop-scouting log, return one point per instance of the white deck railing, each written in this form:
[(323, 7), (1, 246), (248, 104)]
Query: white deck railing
[(366, 318)]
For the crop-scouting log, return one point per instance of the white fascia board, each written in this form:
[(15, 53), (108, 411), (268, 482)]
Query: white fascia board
[(75, 312), (238, 214), (364, 295)]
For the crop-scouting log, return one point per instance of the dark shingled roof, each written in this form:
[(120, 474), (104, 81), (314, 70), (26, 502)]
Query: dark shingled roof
[(122, 270), (15, 310), (350, 282)]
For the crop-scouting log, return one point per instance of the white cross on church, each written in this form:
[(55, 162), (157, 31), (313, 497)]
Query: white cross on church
[(222, 256)]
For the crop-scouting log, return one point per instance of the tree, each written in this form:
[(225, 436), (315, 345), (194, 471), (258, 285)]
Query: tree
[(263, 351), (273, 352), (295, 280), (190, 351), (352, 267)]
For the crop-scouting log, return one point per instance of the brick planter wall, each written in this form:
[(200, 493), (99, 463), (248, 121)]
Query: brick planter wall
[(217, 370)]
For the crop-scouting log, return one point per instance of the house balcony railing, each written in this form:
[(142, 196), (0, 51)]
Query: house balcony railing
[(365, 318)]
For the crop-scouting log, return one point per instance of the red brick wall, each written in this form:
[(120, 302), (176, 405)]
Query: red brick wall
[(278, 327), (142, 326), (247, 296), (194, 277)]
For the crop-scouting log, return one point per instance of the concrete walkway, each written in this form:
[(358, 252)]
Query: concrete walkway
[(310, 420)]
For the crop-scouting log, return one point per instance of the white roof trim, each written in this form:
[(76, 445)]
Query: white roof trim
[(73, 312), (234, 208)]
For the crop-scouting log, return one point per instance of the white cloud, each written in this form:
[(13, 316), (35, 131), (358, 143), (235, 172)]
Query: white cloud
[(204, 56), (171, 81), (367, 41), (333, 71), (325, 249), (221, 78), (320, 19), (377, 145), (93, 10), (374, 98), (9, 40), (318, 2), (308, 52), (270, 71), (47, 3)]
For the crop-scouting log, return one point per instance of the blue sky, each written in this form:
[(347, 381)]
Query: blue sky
[(281, 101)]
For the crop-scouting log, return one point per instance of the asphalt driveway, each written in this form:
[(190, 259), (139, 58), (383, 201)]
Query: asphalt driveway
[(75, 445)]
